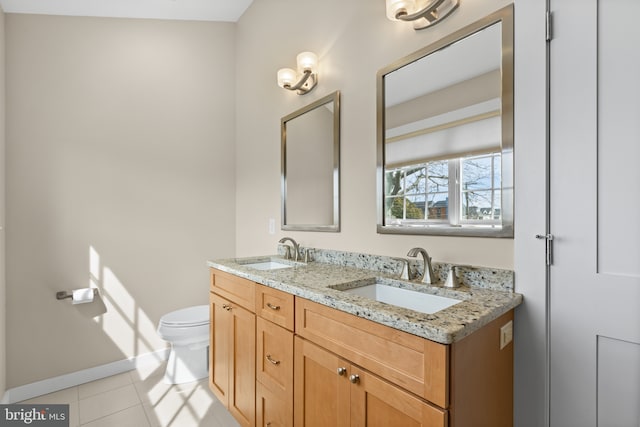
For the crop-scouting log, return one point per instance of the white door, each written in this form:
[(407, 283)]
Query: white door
[(595, 213)]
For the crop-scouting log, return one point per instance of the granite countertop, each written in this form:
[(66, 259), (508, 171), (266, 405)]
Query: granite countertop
[(321, 282)]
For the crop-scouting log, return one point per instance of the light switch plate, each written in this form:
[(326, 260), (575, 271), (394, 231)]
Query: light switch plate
[(506, 334)]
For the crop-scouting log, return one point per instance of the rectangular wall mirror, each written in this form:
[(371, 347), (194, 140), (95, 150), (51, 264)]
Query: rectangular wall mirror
[(445, 135), (310, 179)]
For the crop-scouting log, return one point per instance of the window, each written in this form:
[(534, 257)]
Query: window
[(461, 191)]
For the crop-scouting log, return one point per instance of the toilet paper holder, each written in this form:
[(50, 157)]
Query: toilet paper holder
[(67, 294)]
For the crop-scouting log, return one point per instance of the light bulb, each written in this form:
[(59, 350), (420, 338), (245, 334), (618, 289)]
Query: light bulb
[(286, 77), (307, 61)]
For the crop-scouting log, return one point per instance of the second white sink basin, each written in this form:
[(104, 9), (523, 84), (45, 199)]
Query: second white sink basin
[(406, 298)]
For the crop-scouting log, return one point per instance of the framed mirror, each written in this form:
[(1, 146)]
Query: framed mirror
[(310, 179), (445, 135)]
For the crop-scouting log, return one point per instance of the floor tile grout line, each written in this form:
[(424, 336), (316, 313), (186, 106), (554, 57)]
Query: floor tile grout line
[(105, 392), (111, 414), (146, 414), (111, 390), (117, 412), (103, 379)]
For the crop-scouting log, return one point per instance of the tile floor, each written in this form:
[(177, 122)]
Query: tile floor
[(139, 398)]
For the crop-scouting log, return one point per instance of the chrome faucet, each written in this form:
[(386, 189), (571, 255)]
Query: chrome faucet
[(427, 272), (296, 248)]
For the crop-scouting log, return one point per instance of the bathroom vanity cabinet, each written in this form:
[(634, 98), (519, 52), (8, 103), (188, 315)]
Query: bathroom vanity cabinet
[(314, 365)]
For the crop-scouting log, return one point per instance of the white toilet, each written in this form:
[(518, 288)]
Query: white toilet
[(188, 332)]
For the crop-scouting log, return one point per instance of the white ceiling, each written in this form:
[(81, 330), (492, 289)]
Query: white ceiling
[(197, 10)]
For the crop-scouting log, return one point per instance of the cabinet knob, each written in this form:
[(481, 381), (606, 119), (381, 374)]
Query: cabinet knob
[(226, 307), (273, 361), (342, 371), (273, 307), (355, 379)]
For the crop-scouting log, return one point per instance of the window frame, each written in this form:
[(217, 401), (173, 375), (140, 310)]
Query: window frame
[(454, 195)]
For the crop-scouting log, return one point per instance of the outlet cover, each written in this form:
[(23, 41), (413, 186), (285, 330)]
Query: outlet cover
[(506, 334)]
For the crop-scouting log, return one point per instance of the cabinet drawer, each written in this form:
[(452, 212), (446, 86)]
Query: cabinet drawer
[(234, 288), (415, 364), (271, 409), (274, 357), (275, 305)]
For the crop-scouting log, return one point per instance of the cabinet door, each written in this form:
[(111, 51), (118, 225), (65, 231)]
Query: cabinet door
[(272, 410), (321, 387), (232, 352), (376, 403), (219, 347), (242, 357)]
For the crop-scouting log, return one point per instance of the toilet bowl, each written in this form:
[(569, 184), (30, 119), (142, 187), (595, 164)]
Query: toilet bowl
[(187, 330)]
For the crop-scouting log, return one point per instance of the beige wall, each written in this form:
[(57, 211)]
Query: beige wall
[(120, 171), (354, 40), (3, 304)]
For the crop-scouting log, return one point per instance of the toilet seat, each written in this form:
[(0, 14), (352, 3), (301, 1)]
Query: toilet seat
[(186, 317)]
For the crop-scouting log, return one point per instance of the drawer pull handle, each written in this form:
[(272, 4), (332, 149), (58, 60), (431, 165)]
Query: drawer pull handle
[(273, 307), (355, 379), (275, 362), (342, 371)]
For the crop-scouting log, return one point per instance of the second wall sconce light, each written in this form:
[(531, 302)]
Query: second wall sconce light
[(305, 78), (422, 13)]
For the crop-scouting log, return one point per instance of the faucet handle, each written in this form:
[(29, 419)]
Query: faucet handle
[(404, 274), (452, 279)]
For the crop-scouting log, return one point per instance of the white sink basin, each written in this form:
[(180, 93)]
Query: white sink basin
[(406, 298), (267, 265)]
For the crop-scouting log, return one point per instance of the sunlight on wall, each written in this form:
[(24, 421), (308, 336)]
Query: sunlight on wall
[(125, 322)]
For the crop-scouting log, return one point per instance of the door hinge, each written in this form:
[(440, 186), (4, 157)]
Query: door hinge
[(549, 246), (548, 26)]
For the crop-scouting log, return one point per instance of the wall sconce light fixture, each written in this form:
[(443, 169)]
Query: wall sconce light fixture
[(423, 13), (305, 78)]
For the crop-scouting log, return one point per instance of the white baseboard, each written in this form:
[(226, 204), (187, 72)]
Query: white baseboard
[(50, 385)]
